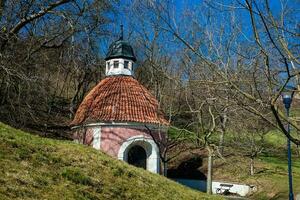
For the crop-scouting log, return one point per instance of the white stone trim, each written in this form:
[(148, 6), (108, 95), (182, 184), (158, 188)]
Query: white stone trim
[(110, 70), (97, 137), (131, 124), (150, 147)]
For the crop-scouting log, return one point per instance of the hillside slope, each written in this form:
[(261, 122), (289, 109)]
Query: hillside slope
[(38, 168)]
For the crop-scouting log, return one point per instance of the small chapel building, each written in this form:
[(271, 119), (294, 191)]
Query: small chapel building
[(121, 117)]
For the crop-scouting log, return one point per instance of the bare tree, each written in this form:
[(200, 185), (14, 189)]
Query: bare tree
[(168, 144), (256, 70), (248, 134), (48, 58)]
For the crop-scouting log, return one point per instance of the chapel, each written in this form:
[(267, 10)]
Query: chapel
[(119, 116)]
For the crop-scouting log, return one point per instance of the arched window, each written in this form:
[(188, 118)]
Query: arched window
[(137, 156)]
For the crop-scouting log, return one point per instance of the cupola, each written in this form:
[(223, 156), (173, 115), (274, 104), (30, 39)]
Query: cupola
[(120, 58)]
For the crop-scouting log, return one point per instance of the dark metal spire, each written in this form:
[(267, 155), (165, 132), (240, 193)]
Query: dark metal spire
[(121, 37), (120, 49)]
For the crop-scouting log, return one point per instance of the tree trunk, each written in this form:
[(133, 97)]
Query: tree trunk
[(252, 166), (223, 130), (165, 169), (209, 171), (221, 142)]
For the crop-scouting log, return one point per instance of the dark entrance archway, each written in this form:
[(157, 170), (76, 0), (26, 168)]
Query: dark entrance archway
[(137, 156)]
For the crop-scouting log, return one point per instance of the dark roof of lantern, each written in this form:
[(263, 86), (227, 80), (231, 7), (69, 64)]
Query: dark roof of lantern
[(120, 49)]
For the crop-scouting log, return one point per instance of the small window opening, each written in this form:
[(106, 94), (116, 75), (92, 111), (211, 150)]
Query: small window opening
[(116, 64), (126, 64)]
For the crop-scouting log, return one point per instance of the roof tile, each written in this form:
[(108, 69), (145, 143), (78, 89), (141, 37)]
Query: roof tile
[(119, 99)]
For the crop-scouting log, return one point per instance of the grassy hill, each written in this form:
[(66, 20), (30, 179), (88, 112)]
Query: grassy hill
[(38, 168), (271, 174)]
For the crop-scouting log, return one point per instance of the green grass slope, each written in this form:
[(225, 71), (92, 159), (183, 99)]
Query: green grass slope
[(38, 168), (271, 173)]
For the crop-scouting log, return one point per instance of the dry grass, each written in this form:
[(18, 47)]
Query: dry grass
[(37, 168)]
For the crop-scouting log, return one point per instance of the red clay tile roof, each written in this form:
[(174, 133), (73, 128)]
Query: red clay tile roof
[(119, 99)]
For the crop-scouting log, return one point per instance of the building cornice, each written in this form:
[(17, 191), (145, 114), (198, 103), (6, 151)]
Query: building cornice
[(124, 124)]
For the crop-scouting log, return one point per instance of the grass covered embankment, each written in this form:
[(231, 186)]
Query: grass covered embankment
[(38, 168), (270, 166), (271, 173)]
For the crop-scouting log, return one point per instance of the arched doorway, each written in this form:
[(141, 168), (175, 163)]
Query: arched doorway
[(137, 156), (148, 145)]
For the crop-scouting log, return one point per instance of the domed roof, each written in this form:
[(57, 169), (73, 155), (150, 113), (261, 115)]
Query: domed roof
[(119, 99), (120, 49)]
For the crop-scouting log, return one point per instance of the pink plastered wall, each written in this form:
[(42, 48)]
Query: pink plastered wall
[(113, 137), (84, 136)]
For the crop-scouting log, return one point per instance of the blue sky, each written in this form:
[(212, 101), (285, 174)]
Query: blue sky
[(181, 6)]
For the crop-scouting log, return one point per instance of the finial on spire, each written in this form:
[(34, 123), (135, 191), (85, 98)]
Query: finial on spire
[(121, 37)]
